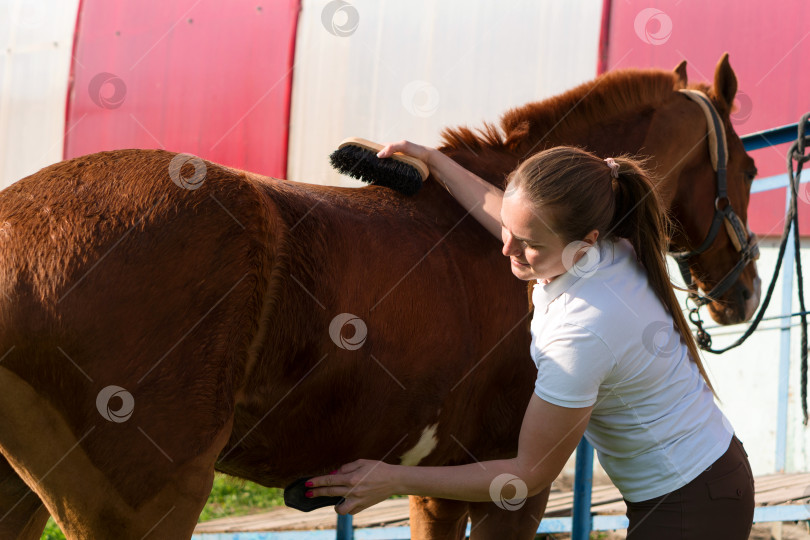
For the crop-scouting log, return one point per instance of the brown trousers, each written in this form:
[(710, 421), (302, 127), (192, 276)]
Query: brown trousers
[(718, 504)]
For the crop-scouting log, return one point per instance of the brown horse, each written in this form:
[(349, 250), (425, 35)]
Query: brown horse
[(156, 326)]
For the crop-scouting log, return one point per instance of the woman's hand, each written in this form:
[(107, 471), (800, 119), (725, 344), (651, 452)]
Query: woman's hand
[(409, 149), (362, 483), (480, 198)]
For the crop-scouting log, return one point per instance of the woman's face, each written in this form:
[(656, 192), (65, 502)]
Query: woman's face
[(534, 249)]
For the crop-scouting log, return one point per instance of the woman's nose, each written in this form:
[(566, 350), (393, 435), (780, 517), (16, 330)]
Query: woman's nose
[(510, 247)]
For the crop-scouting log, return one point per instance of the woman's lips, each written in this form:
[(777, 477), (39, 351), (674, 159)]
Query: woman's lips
[(518, 263)]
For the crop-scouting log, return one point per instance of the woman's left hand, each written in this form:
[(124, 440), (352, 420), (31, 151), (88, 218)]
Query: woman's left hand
[(361, 483)]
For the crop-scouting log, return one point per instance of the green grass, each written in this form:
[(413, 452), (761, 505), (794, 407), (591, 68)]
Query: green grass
[(229, 497), (52, 531), (234, 497)]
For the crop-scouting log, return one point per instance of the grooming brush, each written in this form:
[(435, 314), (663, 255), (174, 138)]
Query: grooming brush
[(357, 158), (294, 497)]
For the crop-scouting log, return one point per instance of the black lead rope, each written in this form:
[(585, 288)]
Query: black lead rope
[(795, 153)]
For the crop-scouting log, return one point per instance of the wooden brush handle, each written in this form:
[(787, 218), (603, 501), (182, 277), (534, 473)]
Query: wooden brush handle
[(417, 164)]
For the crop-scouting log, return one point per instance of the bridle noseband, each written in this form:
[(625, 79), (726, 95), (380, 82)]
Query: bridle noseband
[(743, 240)]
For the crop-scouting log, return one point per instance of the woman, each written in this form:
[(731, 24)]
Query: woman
[(616, 360)]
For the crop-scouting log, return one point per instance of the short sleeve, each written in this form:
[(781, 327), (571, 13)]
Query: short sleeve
[(571, 365)]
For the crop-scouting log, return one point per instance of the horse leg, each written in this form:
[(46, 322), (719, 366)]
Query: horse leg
[(22, 514), (437, 519), (490, 522), (84, 502)]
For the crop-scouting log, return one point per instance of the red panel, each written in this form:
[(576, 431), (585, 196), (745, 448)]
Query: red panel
[(207, 77), (604, 38), (767, 45)]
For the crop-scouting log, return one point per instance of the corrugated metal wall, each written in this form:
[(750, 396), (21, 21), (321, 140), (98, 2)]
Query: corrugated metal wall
[(404, 69), (36, 40), (767, 45), (197, 76)]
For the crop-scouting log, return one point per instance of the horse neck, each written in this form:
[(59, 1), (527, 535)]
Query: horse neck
[(622, 134)]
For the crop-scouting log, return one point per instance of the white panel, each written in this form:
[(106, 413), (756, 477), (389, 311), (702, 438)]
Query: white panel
[(36, 43), (411, 67)]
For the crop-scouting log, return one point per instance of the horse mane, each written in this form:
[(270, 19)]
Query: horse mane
[(607, 96)]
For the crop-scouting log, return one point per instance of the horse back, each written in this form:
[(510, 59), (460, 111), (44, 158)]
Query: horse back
[(114, 275)]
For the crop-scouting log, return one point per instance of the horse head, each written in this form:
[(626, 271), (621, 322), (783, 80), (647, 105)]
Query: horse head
[(713, 246), (645, 112)]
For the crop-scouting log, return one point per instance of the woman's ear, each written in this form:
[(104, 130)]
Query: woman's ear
[(591, 237)]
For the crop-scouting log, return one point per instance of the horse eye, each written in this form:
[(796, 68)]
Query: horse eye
[(750, 174)]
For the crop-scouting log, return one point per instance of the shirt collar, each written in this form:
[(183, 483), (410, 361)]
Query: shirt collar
[(545, 294)]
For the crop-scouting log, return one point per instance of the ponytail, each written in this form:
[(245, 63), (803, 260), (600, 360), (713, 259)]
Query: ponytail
[(640, 217), (617, 198)]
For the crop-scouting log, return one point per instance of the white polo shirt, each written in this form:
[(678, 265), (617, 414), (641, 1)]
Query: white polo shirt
[(601, 337)]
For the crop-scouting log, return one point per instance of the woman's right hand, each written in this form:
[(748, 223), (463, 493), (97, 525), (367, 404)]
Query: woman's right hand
[(480, 198), (409, 149)]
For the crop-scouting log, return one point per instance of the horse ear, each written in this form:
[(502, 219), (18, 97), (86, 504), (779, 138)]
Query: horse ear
[(725, 82), (680, 71)]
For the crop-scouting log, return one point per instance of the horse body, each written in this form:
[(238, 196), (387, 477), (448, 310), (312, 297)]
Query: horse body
[(406, 374), (215, 310), (241, 350)]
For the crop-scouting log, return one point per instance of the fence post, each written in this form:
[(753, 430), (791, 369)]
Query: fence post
[(345, 527), (784, 352), (582, 521)]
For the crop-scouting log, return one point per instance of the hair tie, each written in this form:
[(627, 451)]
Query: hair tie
[(614, 167)]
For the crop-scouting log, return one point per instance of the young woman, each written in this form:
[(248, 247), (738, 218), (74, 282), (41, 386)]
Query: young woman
[(616, 360)]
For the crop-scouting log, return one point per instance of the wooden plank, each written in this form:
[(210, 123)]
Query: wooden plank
[(387, 513), (771, 481), (771, 490)]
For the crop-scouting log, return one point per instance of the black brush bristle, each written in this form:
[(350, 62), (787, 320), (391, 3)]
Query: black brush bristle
[(364, 165), (294, 497)]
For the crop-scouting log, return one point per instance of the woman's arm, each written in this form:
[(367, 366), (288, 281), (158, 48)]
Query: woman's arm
[(480, 198), (548, 436)]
